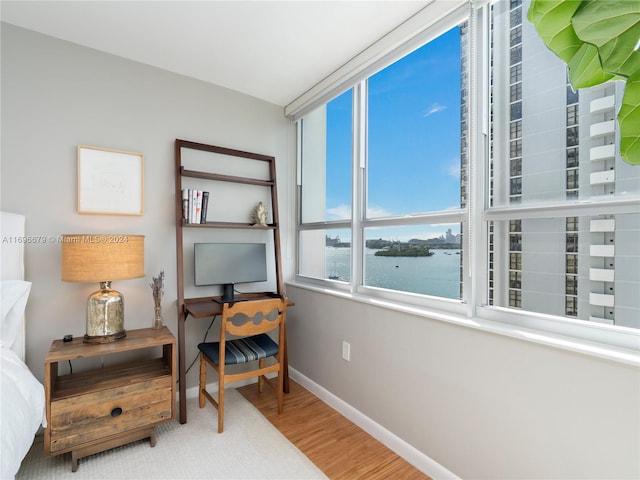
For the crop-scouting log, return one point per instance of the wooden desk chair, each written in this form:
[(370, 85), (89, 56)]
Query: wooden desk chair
[(249, 320)]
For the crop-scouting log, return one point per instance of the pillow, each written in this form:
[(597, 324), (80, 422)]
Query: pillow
[(14, 295)]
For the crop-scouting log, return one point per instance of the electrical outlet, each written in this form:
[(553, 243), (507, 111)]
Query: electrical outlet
[(346, 351)]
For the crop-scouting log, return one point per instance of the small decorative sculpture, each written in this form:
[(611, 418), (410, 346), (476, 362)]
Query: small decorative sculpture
[(259, 215)]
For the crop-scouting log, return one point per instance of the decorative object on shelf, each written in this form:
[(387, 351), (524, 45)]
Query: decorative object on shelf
[(259, 215), (157, 288), (110, 181), (103, 258)]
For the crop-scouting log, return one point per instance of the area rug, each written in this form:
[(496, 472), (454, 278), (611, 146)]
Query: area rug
[(249, 448)]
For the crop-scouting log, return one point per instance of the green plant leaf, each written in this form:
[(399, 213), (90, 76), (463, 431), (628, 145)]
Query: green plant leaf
[(614, 28), (552, 20), (629, 121), (598, 40), (584, 68)]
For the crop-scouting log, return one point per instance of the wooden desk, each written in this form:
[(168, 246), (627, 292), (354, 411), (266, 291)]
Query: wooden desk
[(206, 307)]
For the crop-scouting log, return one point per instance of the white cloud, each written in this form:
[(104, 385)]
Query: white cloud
[(341, 212), (453, 168), (435, 108), (377, 212)]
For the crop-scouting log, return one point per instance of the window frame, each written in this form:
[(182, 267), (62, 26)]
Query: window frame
[(473, 309)]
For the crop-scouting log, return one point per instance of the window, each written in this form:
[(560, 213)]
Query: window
[(390, 169), (515, 261), (572, 264), (516, 186), (516, 92), (572, 136), (326, 173), (515, 298), (516, 243), (413, 133), (572, 157), (572, 179), (405, 234), (516, 35), (515, 147), (572, 242), (516, 130), (572, 115), (572, 95), (571, 307), (326, 197), (516, 73), (516, 167), (516, 15), (516, 110), (576, 218), (572, 285), (515, 279)]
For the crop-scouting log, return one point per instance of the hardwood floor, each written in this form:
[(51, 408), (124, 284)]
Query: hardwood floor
[(334, 444)]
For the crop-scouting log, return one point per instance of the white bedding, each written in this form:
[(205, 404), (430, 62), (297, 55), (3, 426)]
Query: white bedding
[(22, 408)]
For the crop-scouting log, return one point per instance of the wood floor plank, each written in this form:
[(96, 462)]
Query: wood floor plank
[(341, 449)]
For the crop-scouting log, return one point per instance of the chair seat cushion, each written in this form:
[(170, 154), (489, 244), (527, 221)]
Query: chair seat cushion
[(241, 350)]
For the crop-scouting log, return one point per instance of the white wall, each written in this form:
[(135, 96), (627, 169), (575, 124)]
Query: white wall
[(481, 405), (56, 95)]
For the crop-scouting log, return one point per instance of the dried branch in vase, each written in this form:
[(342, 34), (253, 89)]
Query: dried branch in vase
[(157, 287)]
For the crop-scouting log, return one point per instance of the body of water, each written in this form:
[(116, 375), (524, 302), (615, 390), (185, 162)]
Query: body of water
[(437, 275)]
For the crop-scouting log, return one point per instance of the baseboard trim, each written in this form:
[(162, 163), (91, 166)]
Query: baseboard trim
[(411, 454)]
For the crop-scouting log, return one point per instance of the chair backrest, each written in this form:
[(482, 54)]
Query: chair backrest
[(253, 316)]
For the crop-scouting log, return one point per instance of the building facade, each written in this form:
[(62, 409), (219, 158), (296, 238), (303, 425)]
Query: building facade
[(550, 144)]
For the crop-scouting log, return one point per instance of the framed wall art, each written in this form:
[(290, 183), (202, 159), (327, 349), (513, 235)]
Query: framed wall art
[(110, 182)]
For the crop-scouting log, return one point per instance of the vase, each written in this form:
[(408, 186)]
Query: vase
[(158, 321)]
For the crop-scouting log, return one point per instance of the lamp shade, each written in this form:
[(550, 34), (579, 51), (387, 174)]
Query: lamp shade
[(102, 257)]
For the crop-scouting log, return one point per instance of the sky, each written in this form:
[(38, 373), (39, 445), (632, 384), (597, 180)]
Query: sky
[(413, 126)]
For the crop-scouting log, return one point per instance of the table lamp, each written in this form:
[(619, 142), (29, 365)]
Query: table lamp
[(103, 258)]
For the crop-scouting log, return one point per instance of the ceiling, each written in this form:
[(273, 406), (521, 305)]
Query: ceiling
[(272, 50)]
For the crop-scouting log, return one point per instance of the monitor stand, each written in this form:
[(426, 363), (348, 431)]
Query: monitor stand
[(228, 295)]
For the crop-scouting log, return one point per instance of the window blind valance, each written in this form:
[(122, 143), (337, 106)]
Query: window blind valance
[(430, 22)]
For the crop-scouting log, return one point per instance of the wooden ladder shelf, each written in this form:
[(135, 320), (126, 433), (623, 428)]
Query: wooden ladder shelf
[(203, 307)]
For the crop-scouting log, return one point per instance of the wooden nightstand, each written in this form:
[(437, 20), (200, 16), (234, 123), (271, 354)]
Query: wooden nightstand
[(99, 409)]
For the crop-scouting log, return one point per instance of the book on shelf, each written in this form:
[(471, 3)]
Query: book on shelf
[(185, 203), (194, 205), (193, 198), (205, 204), (196, 218)]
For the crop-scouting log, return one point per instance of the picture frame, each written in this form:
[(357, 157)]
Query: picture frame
[(110, 182)]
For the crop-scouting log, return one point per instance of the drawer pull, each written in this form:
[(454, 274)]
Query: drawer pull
[(116, 412)]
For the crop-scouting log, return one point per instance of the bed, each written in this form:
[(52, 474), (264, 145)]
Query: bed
[(21, 394)]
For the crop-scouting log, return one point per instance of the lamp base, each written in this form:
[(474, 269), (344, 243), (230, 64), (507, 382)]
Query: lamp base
[(104, 338), (105, 315)]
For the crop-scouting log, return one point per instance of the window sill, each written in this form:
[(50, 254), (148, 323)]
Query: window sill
[(629, 356)]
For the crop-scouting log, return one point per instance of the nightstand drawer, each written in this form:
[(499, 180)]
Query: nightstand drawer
[(79, 419)]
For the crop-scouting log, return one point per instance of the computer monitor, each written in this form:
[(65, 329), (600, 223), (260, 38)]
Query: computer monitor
[(229, 263)]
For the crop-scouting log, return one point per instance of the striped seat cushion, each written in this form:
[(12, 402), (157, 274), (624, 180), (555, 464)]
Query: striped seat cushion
[(241, 350)]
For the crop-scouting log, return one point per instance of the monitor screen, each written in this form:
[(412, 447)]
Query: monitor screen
[(229, 263)]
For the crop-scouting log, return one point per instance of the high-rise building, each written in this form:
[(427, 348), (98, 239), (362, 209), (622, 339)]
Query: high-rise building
[(549, 143)]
